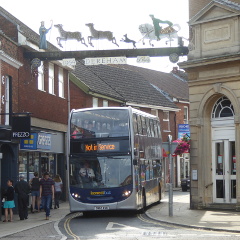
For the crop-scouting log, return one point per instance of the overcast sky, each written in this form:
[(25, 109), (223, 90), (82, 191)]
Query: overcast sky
[(119, 17)]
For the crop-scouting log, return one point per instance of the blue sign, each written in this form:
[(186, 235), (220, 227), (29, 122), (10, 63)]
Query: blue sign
[(44, 141), (29, 143), (183, 129), (36, 141)]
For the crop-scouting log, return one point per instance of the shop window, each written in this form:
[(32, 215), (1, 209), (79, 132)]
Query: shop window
[(22, 164)]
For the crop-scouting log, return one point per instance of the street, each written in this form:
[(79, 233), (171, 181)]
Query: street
[(130, 226), (118, 225)]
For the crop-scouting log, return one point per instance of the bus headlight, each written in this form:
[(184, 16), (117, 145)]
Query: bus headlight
[(126, 193), (76, 195)]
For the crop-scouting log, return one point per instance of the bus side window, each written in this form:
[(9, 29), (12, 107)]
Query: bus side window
[(148, 127), (139, 124), (135, 124), (159, 129), (144, 126), (152, 128), (155, 128)]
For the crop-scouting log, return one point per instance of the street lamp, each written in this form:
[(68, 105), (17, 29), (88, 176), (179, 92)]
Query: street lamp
[(170, 190)]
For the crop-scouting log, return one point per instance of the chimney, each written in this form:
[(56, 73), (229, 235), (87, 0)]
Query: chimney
[(175, 70)]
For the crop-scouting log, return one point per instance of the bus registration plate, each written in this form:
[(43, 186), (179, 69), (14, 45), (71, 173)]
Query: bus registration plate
[(101, 208)]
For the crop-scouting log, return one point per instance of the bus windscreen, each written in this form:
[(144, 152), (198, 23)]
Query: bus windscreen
[(99, 123)]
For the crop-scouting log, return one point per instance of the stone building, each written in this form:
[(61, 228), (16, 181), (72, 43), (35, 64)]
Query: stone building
[(214, 93)]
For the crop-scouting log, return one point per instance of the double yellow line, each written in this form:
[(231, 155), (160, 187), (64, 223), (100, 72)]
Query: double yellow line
[(67, 226)]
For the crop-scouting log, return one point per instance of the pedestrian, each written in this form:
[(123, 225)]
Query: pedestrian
[(9, 204), (22, 188), (46, 192), (35, 192), (58, 190)]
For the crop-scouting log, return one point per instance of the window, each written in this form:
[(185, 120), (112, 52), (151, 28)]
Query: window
[(41, 77), (60, 83), (154, 112), (105, 103), (223, 108), (95, 102), (51, 78), (166, 123), (185, 116)]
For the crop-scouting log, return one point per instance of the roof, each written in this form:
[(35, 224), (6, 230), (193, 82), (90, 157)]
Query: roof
[(228, 3), (121, 82), (94, 82), (226, 8), (174, 83)]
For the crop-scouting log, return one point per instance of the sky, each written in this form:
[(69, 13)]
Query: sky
[(120, 17)]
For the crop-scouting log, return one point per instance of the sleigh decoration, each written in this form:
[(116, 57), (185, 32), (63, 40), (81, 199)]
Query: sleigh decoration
[(148, 32)]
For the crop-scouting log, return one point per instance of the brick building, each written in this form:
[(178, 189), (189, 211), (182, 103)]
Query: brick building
[(42, 92), (213, 72), (148, 90)]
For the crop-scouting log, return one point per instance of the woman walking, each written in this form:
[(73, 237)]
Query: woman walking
[(58, 190), (35, 191), (9, 201)]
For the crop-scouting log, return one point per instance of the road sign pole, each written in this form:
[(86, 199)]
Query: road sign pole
[(170, 189)]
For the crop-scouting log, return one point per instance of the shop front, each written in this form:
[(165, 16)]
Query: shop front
[(40, 153)]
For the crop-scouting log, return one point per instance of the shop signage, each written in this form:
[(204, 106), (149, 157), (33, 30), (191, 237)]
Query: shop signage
[(44, 141), (36, 141), (21, 126), (182, 130), (29, 143)]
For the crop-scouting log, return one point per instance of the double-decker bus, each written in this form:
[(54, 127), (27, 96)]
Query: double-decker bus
[(114, 159)]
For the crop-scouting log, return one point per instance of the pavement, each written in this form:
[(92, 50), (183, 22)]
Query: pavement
[(36, 225)]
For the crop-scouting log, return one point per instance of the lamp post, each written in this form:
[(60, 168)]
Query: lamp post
[(170, 190)]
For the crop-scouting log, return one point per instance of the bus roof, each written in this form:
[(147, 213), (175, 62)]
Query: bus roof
[(129, 108)]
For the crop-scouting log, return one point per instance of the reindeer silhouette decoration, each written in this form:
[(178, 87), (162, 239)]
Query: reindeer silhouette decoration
[(127, 40), (96, 35), (64, 35)]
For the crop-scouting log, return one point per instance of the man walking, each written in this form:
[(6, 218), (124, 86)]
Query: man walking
[(22, 188), (46, 193)]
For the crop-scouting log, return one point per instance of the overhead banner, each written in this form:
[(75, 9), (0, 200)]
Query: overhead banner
[(21, 126)]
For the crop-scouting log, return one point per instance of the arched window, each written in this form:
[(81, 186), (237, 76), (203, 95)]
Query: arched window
[(223, 108)]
